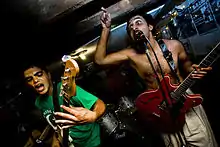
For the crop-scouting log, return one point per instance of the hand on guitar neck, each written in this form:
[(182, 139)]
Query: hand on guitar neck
[(72, 115), (68, 90), (159, 106), (199, 72), (77, 116)]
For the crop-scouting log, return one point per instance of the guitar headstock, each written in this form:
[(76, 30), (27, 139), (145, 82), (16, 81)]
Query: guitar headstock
[(68, 80)]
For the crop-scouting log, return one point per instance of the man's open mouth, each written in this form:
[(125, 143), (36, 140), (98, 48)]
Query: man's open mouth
[(39, 87)]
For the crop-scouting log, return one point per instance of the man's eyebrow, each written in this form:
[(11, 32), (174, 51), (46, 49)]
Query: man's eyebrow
[(27, 76), (134, 18), (38, 72)]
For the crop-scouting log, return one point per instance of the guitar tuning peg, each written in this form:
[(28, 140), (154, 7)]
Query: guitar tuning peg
[(67, 70), (64, 78), (64, 84), (66, 57), (65, 95)]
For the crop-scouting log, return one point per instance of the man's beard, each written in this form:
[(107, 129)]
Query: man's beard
[(139, 46), (139, 41)]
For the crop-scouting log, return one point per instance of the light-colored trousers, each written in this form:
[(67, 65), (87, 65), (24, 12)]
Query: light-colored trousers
[(197, 131)]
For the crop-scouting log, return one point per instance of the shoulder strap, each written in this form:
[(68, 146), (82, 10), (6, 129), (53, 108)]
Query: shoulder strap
[(55, 98), (168, 56)]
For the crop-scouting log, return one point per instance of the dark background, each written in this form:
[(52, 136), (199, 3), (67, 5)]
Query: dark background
[(42, 32)]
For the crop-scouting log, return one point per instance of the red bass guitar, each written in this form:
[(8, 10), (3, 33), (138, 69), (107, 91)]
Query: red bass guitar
[(165, 108)]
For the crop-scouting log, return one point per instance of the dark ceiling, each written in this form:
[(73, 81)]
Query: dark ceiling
[(45, 30)]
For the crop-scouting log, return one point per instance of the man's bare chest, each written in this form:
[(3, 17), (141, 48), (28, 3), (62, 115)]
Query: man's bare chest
[(148, 65)]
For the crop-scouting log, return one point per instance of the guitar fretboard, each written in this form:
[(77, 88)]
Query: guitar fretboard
[(212, 56)]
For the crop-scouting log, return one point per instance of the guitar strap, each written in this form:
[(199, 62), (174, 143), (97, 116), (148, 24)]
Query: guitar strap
[(55, 98), (56, 103), (65, 142), (168, 56)]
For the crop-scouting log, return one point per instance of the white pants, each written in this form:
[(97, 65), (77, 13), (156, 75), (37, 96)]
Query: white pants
[(197, 131)]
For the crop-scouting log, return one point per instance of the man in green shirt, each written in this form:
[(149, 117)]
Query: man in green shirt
[(85, 108)]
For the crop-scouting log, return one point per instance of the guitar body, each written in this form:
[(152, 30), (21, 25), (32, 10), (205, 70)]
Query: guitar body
[(165, 119)]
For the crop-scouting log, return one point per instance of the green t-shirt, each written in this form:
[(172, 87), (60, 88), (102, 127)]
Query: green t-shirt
[(86, 135)]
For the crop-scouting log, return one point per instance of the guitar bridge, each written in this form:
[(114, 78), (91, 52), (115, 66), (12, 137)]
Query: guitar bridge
[(155, 114), (162, 106)]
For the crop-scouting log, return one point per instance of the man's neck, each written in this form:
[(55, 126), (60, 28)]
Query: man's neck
[(50, 91), (152, 44)]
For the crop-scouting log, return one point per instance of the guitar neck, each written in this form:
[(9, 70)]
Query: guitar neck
[(65, 141), (212, 56), (66, 101), (44, 134), (68, 90)]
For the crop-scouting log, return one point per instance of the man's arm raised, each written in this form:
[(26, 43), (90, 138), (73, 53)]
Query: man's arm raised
[(100, 55)]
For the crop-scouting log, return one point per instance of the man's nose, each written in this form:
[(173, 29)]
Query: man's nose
[(135, 28), (35, 79)]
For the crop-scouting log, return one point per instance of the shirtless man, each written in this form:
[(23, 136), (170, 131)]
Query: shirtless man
[(197, 130)]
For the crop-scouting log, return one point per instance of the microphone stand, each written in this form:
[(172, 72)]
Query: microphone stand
[(11, 100), (141, 37)]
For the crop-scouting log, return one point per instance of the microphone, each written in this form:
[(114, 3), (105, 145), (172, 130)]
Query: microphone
[(140, 37), (141, 41)]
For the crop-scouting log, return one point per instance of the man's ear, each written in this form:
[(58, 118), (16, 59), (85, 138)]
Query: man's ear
[(151, 27)]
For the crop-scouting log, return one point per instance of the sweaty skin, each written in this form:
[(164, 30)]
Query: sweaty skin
[(139, 61)]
